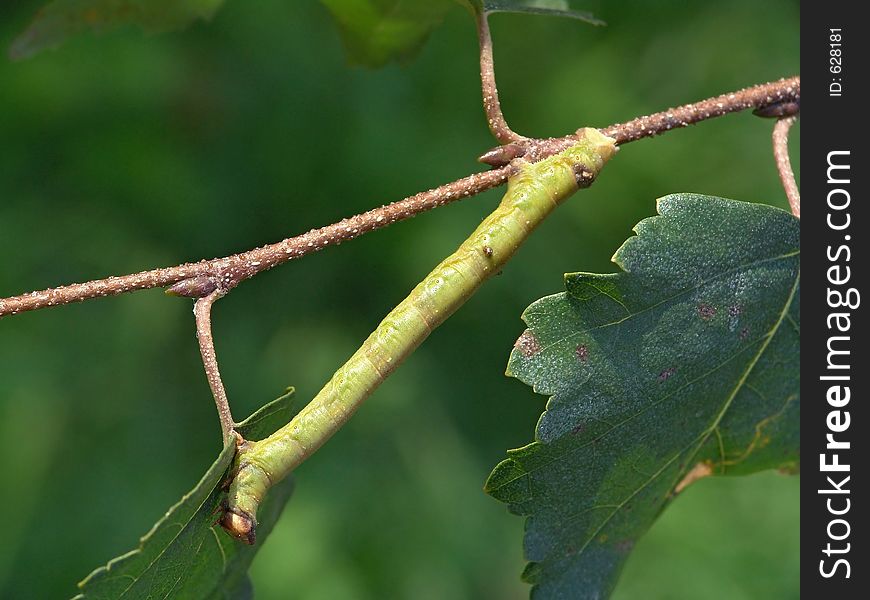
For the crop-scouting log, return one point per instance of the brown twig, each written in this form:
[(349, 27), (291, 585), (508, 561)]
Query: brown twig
[(491, 105), (769, 99), (783, 164), (773, 93), (231, 270), (202, 313)]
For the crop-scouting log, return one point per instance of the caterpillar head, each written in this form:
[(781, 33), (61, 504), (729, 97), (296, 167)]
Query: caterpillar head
[(239, 524)]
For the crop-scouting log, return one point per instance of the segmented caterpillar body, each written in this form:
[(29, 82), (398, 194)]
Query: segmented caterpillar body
[(534, 190)]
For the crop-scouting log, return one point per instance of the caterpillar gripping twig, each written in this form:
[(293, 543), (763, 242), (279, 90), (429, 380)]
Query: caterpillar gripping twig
[(534, 190)]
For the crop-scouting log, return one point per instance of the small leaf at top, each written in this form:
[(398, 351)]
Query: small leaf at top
[(684, 365), (376, 32), (60, 19), (556, 8), (185, 555)]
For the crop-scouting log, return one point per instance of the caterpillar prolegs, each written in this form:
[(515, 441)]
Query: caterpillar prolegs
[(534, 190)]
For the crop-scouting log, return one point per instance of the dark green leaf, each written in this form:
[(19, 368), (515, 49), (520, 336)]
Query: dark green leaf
[(185, 555), (556, 8), (61, 19), (683, 365), (376, 32)]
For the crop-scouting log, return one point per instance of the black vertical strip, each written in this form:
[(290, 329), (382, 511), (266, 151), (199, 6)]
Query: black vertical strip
[(835, 432)]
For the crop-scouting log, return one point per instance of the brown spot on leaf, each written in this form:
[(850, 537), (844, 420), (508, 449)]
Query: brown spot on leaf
[(667, 373), (792, 469), (624, 546), (744, 333), (706, 311), (734, 310), (699, 471), (582, 352), (528, 344), (579, 428)]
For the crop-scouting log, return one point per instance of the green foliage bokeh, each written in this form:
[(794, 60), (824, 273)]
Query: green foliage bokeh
[(124, 152)]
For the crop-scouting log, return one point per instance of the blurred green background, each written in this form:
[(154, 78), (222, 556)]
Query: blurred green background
[(124, 152)]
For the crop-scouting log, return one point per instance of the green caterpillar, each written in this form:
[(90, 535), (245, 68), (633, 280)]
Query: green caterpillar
[(534, 190)]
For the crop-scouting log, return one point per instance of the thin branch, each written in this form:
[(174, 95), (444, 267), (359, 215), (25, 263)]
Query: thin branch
[(231, 270), (775, 92), (783, 164), (491, 105), (202, 312)]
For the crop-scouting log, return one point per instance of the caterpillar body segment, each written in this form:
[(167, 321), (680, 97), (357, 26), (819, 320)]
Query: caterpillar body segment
[(534, 190)]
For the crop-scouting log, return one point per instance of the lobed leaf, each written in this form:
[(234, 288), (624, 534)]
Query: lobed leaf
[(185, 555), (686, 364)]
